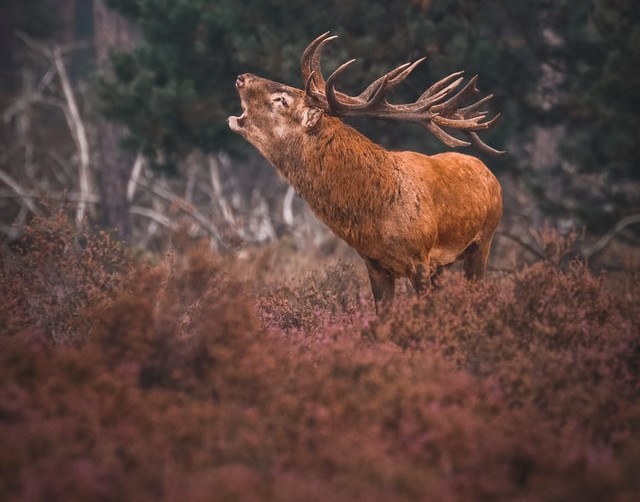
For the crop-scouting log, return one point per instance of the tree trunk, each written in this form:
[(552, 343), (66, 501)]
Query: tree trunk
[(112, 32)]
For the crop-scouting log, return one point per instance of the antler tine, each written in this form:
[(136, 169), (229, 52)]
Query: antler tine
[(398, 75), (330, 91), (458, 98), (410, 67), (483, 146), (472, 107), (427, 102), (310, 60), (391, 76), (373, 95), (394, 77), (466, 124), (445, 137), (440, 85)]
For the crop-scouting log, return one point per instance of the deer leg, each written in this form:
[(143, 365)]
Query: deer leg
[(421, 278), (427, 275), (382, 284), (475, 260), (435, 277)]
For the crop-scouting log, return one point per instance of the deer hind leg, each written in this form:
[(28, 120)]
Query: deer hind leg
[(475, 259), (383, 284)]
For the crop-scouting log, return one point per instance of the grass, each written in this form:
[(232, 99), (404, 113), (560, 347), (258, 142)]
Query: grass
[(185, 379)]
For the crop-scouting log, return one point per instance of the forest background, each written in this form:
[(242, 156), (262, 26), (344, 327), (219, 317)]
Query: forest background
[(120, 108)]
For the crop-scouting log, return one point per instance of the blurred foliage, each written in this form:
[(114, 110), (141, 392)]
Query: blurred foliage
[(176, 90), (178, 381), (33, 17)]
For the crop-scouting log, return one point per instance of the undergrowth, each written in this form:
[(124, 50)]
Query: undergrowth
[(123, 380)]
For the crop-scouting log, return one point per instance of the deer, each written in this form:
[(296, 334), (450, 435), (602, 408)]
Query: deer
[(407, 214)]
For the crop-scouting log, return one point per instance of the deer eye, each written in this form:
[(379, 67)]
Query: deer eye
[(282, 100)]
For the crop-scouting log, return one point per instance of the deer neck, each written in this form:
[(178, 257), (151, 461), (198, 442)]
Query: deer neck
[(346, 178)]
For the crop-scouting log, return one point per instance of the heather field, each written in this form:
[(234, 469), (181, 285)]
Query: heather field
[(193, 376)]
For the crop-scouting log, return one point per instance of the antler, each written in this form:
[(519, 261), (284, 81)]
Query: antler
[(437, 108)]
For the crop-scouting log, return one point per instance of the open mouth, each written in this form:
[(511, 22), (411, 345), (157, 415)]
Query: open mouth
[(238, 122), (241, 118)]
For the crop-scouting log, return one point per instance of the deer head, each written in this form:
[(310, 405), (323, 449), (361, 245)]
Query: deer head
[(274, 112)]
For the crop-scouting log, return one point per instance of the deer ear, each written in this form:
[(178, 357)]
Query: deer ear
[(311, 116)]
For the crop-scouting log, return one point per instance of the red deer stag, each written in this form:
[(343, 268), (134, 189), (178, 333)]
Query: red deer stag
[(405, 213)]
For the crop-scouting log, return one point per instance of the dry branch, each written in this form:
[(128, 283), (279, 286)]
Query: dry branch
[(184, 207), (69, 107), (20, 192), (78, 132), (605, 240)]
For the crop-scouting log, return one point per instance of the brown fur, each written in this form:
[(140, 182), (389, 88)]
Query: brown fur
[(405, 213)]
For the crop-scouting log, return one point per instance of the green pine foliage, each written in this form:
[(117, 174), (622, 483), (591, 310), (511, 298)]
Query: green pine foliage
[(175, 90)]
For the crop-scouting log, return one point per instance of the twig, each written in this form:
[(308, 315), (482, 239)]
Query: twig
[(66, 196), (69, 108), (287, 206), (135, 174), (214, 174), (517, 240), (606, 239), (35, 46), (20, 192), (187, 209), (152, 215)]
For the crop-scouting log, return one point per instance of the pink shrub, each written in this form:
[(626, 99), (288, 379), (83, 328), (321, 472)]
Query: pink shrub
[(182, 384)]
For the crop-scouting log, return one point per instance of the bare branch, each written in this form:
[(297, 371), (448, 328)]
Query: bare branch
[(77, 129), (135, 175), (184, 207), (606, 239), (518, 240), (152, 215), (52, 196), (19, 190), (34, 45), (214, 174), (287, 206)]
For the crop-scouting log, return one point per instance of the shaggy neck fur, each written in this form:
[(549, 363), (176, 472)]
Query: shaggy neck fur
[(345, 177)]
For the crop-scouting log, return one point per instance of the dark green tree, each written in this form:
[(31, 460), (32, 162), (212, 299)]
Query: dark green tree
[(175, 90)]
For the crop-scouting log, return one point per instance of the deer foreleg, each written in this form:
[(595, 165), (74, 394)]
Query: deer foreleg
[(382, 284)]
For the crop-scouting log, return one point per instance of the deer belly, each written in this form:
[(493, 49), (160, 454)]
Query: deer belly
[(443, 256)]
